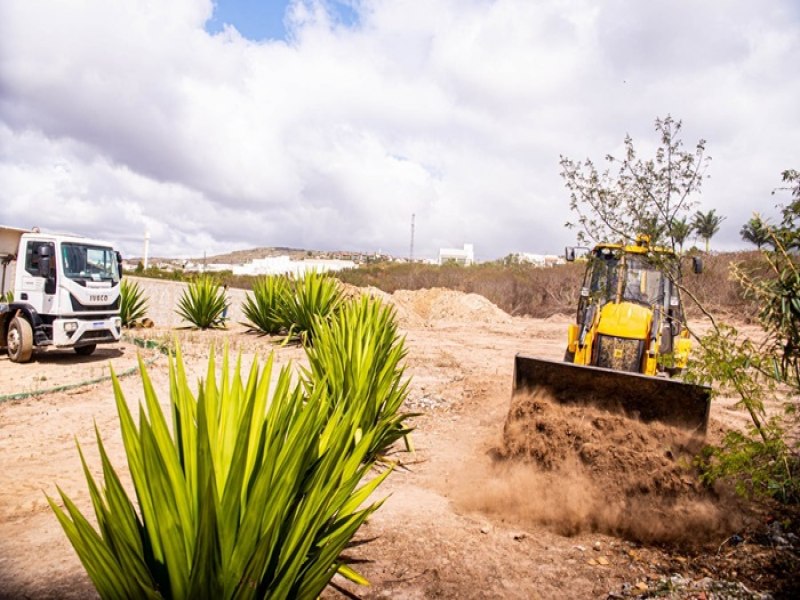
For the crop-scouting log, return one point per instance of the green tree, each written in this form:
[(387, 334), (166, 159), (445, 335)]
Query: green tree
[(755, 231), (764, 461), (679, 230), (633, 194), (707, 225)]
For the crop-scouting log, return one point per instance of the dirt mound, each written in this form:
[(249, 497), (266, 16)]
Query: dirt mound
[(405, 316), (438, 304), (583, 469)]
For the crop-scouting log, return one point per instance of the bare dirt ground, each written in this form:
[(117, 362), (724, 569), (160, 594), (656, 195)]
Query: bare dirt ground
[(591, 506)]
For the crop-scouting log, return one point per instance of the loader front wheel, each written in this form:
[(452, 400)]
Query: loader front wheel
[(20, 340)]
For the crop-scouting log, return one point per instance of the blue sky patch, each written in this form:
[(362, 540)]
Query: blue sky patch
[(259, 20)]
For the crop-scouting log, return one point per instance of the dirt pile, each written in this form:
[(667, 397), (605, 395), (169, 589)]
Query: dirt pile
[(439, 304), (581, 469), (404, 315)]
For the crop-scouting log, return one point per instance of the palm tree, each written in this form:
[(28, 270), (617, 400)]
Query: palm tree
[(755, 231), (707, 225), (679, 230)]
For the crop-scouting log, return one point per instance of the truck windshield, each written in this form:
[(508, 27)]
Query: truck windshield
[(644, 283), (89, 263)]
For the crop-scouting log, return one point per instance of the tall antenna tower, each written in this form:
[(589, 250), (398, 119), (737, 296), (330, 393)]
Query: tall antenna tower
[(146, 248), (411, 250)]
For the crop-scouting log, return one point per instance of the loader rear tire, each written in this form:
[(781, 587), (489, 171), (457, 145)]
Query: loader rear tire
[(20, 340)]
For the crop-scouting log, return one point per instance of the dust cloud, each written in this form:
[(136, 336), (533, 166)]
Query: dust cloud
[(577, 469)]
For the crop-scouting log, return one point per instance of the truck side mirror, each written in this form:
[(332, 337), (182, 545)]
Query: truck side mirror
[(44, 260), (697, 264), (119, 264), (569, 254)]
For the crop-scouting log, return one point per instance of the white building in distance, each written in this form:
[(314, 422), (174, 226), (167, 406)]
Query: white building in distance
[(461, 256), (540, 260), (283, 265)]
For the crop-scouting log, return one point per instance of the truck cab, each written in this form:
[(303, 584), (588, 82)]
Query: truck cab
[(65, 294)]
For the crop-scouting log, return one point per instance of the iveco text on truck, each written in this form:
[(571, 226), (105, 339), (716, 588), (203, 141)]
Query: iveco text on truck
[(58, 290)]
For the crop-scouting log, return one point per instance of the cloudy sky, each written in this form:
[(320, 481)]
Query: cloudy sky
[(229, 124)]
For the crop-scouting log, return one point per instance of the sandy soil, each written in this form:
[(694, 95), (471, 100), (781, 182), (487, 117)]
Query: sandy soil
[(476, 512)]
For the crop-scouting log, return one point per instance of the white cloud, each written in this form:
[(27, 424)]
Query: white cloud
[(135, 118)]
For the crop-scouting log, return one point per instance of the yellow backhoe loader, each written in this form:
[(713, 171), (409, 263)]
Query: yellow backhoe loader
[(628, 343)]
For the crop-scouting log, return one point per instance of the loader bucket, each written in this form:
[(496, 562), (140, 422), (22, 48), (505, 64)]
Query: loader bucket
[(640, 396)]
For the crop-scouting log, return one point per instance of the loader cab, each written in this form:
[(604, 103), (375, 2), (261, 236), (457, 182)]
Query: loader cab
[(614, 274), (600, 280), (644, 283)]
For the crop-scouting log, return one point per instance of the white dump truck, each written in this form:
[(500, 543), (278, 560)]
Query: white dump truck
[(58, 290)]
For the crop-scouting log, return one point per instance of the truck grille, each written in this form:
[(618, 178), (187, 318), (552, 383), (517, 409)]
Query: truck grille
[(97, 336), (620, 354), (78, 307)]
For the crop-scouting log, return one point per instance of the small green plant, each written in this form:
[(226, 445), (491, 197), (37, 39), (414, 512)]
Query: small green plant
[(765, 461), (312, 298), (132, 302), (252, 494), (356, 356), (203, 303), (758, 462), (263, 307), (8, 297)]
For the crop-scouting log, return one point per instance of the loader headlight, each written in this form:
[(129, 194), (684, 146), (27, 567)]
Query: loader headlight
[(70, 326)]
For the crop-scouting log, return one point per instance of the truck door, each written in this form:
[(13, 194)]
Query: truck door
[(38, 279)]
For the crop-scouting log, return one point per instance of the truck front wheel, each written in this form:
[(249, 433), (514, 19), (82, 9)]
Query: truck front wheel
[(19, 340), (85, 350)]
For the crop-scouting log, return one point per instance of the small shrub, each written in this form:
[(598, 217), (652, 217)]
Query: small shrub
[(263, 308), (312, 298), (356, 356), (203, 303), (132, 302)]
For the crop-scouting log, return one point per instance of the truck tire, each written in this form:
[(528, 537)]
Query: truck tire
[(19, 340), (85, 350)]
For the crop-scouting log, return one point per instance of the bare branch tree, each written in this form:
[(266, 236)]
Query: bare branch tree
[(634, 195)]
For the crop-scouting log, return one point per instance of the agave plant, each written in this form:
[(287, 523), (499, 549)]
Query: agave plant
[(250, 495), (313, 299), (263, 308), (356, 356), (133, 303), (203, 303), (8, 297)]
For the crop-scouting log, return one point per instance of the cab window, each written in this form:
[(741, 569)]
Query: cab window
[(32, 257)]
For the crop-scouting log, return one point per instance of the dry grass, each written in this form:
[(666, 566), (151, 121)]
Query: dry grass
[(542, 292), (525, 290), (517, 289)]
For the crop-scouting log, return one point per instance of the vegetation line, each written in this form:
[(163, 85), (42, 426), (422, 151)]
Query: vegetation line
[(142, 343)]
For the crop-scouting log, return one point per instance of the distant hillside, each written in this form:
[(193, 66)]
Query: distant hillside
[(243, 256)]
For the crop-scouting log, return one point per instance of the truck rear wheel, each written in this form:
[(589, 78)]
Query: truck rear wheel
[(20, 340), (85, 350)]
